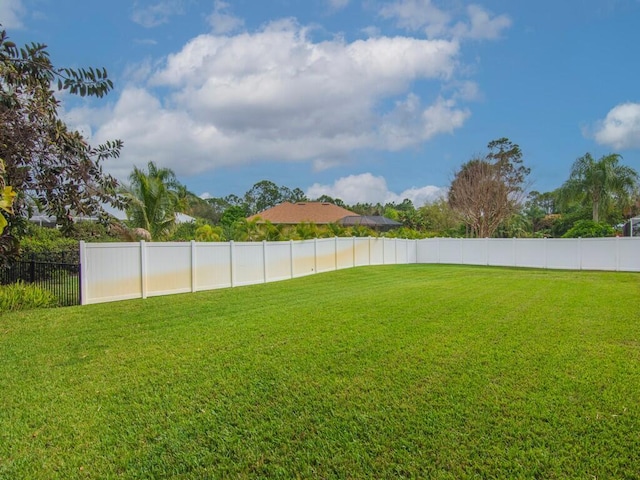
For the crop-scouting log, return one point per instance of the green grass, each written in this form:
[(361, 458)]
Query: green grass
[(378, 372)]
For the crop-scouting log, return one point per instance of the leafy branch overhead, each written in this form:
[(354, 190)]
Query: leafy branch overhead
[(33, 65), (52, 167)]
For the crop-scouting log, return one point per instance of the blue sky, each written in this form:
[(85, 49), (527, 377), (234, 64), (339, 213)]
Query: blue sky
[(365, 100)]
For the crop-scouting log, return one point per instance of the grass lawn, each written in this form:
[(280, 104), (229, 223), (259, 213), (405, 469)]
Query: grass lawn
[(416, 371)]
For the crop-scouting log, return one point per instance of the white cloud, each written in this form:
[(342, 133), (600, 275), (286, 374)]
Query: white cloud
[(11, 12), (338, 4), (276, 95), (368, 188), (157, 13), (410, 123), (416, 15), (621, 127), (222, 22), (481, 26)]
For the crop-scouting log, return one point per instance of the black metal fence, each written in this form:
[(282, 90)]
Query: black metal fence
[(61, 278)]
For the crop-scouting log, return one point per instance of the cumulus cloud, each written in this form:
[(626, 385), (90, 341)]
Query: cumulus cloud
[(11, 12), (477, 23), (621, 127), (276, 95), (221, 20), (368, 188), (338, 4), (156, 14)]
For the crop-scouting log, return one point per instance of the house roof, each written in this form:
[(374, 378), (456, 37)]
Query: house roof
[(294, 213)]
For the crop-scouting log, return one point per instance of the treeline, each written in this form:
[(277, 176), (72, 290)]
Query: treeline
[(487, 197)]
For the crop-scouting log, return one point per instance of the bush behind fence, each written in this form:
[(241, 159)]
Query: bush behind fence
[(60, 279)]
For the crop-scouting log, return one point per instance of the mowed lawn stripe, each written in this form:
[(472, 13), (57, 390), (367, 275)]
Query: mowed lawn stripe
[(385, 372)]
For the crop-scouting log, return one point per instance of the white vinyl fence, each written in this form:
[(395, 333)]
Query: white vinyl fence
[(119, 271)]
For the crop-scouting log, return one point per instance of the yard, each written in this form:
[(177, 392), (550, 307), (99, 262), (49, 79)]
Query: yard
[(427, 371)]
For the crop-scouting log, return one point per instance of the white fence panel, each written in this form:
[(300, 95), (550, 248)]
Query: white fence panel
[(377, 251), (389, 251), (474, 251), (598, 254), (499, 252), (450, 250), (213, 265), (344, 252), (563, 253), (248, 263), (110, 272), (278, 261), (168, 268), (629, 250), (531, 252), (428, 250), (412, 250), (401, 251), (362, 251), (326, 254), (304, 261)]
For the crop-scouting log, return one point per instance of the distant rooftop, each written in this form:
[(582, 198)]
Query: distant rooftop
[(293, 213)]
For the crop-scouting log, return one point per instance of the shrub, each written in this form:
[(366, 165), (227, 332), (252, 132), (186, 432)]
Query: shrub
[(48, 244), (90, 231), (589, 229), (22, 296)]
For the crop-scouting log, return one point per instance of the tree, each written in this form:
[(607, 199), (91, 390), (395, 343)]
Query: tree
[(153, 200), (6, 198), (328, 199), (264, 194), (439, 218), (487, 191), (602, 184), (51, 167)]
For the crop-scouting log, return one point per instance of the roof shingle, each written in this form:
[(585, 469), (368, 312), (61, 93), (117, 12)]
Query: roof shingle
[(294, 213)]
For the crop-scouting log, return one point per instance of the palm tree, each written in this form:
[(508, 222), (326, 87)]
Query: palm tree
[(153, 198), (602, 183)]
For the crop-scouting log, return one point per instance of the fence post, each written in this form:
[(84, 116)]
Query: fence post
[(315, 255), (369, 250), (143, 268), (580, 253), (486, 250), (617, 254), (384, 260), (264, 260), (291, 256), (82, 281), (193, 266), (395, 250), (336, 252), (231, 262), (354, 251)]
